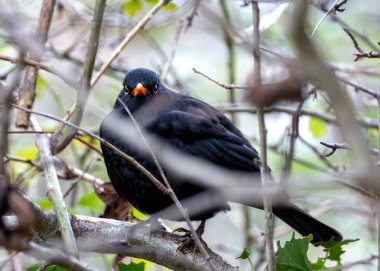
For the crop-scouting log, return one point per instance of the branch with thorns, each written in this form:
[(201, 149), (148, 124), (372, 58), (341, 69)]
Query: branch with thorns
[(361, 53)]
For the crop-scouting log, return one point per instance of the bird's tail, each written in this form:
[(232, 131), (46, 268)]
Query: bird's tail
[(305, 224)]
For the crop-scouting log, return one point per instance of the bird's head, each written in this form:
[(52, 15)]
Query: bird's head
[(141, 83), (139, 86)]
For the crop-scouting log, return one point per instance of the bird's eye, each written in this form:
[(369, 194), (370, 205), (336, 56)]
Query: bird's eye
[(155, 89), (126, 89)]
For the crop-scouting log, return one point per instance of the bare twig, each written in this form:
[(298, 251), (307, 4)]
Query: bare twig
[(106, 143), (367, 123), (263, 141), (339, 4), (41, 66), (364, 89), (63, 136), (223, 85), (340, 101), (56, 257), (360, 54), (319, 155), (341, 146), (29, 86), (169, 62), (128, 38), (193, 13)]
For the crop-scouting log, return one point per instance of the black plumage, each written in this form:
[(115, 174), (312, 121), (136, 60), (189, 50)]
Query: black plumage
[(195, 128)]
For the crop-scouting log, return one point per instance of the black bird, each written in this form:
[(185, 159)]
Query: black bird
[(195, 128)]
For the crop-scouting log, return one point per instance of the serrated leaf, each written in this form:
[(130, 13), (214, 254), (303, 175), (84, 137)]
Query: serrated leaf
[(317, 127), (45, 204), (92, 202), (335, 250), (132, 266), (293, 256), (132, 6), (319, 265), (244, 255)]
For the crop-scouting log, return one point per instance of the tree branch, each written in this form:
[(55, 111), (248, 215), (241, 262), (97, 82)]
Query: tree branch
[(54, 192), (63, 136), (108, 236), (263, 140), (29, 86)]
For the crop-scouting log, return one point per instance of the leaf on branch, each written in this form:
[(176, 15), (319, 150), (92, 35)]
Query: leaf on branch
[(293, 256), (132, 266), (335, 250)]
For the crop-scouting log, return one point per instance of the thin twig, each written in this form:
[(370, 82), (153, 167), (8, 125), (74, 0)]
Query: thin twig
[(128, 38), (101, 140), (263, 140), (367, 123), (56, 257), (7, 259), (360, 54), (223, 85), (63, 136), (340, 101), (169, 62), (28, 89), (338, 6), (193, 13), (323, 17), (342, 146)]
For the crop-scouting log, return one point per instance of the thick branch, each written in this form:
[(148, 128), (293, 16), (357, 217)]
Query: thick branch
[(55, 194), (108, 236)]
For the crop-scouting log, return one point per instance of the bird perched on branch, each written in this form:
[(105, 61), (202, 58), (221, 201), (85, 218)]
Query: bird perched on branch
[(195, 129)]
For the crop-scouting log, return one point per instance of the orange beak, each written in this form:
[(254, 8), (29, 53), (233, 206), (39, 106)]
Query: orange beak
[(139, 90)]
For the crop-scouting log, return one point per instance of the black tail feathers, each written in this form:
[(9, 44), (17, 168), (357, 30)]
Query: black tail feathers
[(305, 224)]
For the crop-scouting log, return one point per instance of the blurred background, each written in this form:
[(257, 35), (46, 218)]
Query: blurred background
[(219, 43)]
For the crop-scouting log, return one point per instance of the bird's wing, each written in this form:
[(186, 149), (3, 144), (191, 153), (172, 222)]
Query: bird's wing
[(207, 136)]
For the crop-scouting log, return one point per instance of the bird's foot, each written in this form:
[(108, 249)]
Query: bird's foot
[(154, 226), (187, 241)]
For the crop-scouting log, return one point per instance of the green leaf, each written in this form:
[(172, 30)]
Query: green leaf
[(293, 256), (92, 202), (45, 204), (132, 6), (52, 267), (132, 266), (335, 250), (244, 255), (170, 6), (319, 265), (317, 127)]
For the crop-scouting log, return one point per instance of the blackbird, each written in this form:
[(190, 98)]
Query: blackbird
[(194, 128)]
